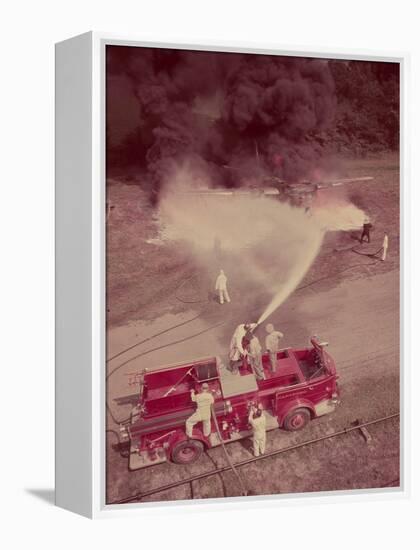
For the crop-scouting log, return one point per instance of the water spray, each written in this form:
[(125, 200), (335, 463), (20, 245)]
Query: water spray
[(295, 276)]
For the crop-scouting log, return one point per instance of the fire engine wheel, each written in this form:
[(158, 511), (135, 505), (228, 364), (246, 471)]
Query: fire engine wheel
[(296, 420), (186, 452)]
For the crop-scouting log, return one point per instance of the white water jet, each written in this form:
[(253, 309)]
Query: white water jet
[(297, 273)]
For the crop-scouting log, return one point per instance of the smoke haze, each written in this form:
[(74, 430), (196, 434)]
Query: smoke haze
[(265, 242)]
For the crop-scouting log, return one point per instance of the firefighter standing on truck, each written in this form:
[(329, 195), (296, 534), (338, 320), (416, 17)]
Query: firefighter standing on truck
[(204, 401), (258, 423), (237, 351), (272, 344), (256, 357)]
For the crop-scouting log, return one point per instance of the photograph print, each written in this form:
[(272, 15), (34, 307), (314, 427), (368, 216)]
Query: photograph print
[(252, 274)]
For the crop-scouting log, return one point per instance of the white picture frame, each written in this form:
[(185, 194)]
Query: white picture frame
[(80, 276)]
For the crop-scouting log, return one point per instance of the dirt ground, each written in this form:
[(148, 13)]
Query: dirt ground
[(348, 299)]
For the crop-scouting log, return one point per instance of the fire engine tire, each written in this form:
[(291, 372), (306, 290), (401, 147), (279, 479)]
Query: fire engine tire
[(297, 419), (187, 451)]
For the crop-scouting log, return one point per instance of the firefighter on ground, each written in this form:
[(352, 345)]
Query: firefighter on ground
[(255, 357), (258, 423), (221, 287), (367, 226), (237, 351), (204, 401), (384, 248), (272, 344)]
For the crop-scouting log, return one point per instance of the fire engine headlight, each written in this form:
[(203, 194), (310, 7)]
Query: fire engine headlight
[(334, 398)]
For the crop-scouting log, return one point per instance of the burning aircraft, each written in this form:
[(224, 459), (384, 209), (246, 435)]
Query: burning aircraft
[(299, 194)]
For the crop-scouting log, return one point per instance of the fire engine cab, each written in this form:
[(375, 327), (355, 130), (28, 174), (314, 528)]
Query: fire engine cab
[(302, 387)]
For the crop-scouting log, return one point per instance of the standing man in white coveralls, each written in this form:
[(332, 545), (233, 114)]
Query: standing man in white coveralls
[(236, 349), (256, 357), (272, 344), (221, 287), (258, 423), (204, 401), (384, 248)]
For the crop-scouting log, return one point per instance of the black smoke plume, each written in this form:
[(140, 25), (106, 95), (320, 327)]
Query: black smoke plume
[(239, 118)]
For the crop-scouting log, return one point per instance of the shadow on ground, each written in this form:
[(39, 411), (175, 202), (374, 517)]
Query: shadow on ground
[(47, 495)]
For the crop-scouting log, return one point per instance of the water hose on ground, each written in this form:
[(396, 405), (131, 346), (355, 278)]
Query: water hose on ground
[(231, 464), (254, 459), (188, 301), (371, 255), (153, 336), (164, 346)]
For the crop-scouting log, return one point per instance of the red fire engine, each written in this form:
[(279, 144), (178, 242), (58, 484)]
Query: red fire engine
[(302, 387)]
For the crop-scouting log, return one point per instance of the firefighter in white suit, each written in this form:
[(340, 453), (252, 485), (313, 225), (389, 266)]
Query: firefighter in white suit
[(256, 357), (221, 287), (384, 248), (258, 423), (204, 401)]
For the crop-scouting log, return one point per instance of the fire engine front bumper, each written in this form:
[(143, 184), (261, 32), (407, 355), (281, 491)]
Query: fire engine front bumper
[(327, 406)]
